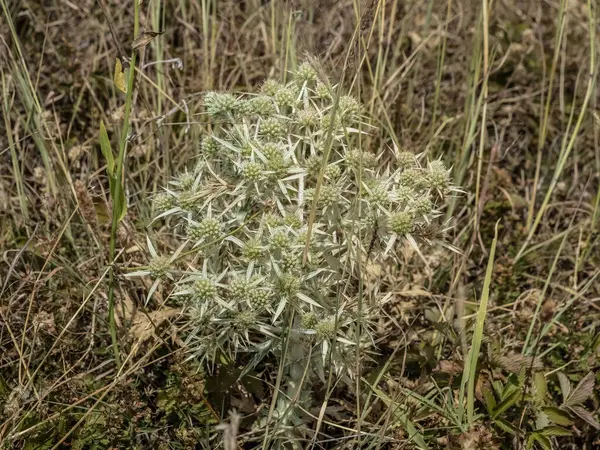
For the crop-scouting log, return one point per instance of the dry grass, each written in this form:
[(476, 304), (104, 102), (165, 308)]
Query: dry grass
[(505, 91)]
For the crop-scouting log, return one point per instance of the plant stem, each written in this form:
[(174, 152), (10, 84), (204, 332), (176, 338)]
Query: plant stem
[(120, 163)]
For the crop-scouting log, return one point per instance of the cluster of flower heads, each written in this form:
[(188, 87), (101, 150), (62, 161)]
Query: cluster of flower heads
[(279, 214)]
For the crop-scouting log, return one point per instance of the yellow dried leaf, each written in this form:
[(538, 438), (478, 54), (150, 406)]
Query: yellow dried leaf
[(119, 78)]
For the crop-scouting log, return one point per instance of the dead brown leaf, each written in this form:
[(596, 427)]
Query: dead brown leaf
[(144, 325), (144, 39)]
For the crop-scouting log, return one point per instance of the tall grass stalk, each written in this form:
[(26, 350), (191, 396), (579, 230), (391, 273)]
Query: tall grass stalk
[(569, 142), (118, 189)]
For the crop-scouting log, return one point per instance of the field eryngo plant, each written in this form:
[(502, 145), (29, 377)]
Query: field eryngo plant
[(280, 215)]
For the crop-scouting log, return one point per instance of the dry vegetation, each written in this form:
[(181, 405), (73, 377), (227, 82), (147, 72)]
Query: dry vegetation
[(497, 346)]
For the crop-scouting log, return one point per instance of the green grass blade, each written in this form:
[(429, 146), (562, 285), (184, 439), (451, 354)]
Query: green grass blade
[(468, 378)]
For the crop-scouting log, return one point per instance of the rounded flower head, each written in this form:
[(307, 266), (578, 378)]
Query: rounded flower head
[(306, 72), (401, 223), (252, 250), (273, 220), (322, 91), (163, 202), (358, 159), (290, 262), (259, 298), (330, 195), (159, 267), (218, 104), (308, 117), (207, 230), (239, 288), (186, 180), (261, 105), (438, 177), (253, 171), (272, 128), (333, 172), (313, 164), (411, 177), (204, 290), (270, 87), (325, 328), (187, 200), (244, 320), (280, 241), (309, 320), (404, 194), (288, 285), (422, 206), (406, 160), (293, 221), (330, 120), (209, 146), (349, 109), (286, 96), (379, 194)]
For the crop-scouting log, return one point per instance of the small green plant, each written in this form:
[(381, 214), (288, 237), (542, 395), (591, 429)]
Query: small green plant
[(275, 223), (513, 408)]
